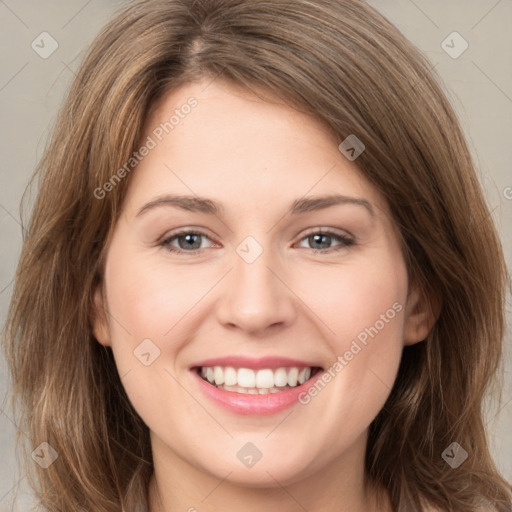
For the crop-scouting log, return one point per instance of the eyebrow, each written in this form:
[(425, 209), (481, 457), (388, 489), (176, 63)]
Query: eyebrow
[(208, 206)]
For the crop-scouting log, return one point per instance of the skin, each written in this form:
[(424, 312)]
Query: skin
[(254, 157)]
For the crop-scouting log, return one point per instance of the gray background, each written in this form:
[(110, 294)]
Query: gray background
[(478, 82)]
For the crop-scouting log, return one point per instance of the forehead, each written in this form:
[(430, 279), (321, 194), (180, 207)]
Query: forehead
[(218, 139)]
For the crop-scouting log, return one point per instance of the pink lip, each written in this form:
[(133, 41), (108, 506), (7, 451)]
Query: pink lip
[(256, 364), (246, 404)]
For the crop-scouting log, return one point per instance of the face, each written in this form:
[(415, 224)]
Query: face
[(297, 308)]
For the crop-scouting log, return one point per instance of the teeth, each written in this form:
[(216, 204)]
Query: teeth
[(304, 375), (264, 379), (219, 375), (293, 375), (252, 391), (280, 378), (255, 381), (229, 376), (246, 377)]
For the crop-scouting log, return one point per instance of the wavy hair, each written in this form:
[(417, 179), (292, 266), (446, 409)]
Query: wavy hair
[(346, 65)]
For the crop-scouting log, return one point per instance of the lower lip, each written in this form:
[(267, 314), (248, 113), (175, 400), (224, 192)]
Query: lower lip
[(248, 404)]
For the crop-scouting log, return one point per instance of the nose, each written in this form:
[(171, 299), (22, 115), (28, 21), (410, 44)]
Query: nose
[(255, 295)]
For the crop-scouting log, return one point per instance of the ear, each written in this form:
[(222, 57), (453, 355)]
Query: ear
[(100, 327), (421, 313)]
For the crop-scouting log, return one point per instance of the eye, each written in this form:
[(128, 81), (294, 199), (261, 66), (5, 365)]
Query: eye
[(189, 242), (186, 240), (322, 239)]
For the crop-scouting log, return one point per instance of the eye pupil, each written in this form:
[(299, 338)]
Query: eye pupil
[(188, 238), (318, 236)]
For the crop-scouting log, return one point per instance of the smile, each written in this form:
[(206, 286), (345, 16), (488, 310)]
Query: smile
[(255, 385)]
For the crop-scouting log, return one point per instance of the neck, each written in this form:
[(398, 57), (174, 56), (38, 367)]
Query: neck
[(176, 485)]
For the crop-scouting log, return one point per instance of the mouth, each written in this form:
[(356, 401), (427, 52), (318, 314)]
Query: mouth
[(252, 381)]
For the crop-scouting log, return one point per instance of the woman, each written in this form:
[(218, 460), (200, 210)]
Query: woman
[(258, 371)]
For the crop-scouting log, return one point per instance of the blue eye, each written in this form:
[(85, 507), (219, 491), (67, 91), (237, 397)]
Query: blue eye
[(186, 240), (324, 238), (189, 242)]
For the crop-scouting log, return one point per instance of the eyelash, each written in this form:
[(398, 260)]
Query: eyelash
[(345, 241)]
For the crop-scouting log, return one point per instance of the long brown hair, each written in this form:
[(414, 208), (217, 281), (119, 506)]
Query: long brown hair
[(346, 65)]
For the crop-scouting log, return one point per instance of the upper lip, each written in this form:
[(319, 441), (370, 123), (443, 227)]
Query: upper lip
[(255, 363)]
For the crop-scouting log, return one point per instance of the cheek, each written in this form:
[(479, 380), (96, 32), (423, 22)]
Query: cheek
[(364, 308), (367, 319), (149, 304), (152, 298), (359, 297)]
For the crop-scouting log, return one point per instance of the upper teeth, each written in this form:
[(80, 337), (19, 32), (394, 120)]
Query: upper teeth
[(248, 378)]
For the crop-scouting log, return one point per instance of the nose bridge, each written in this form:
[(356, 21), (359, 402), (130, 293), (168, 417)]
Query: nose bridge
[(254, 297)]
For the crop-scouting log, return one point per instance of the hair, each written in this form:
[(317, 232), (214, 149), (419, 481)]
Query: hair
[(343, 63)]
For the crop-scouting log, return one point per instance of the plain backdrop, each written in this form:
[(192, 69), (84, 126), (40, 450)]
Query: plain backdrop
[(478, 80)]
